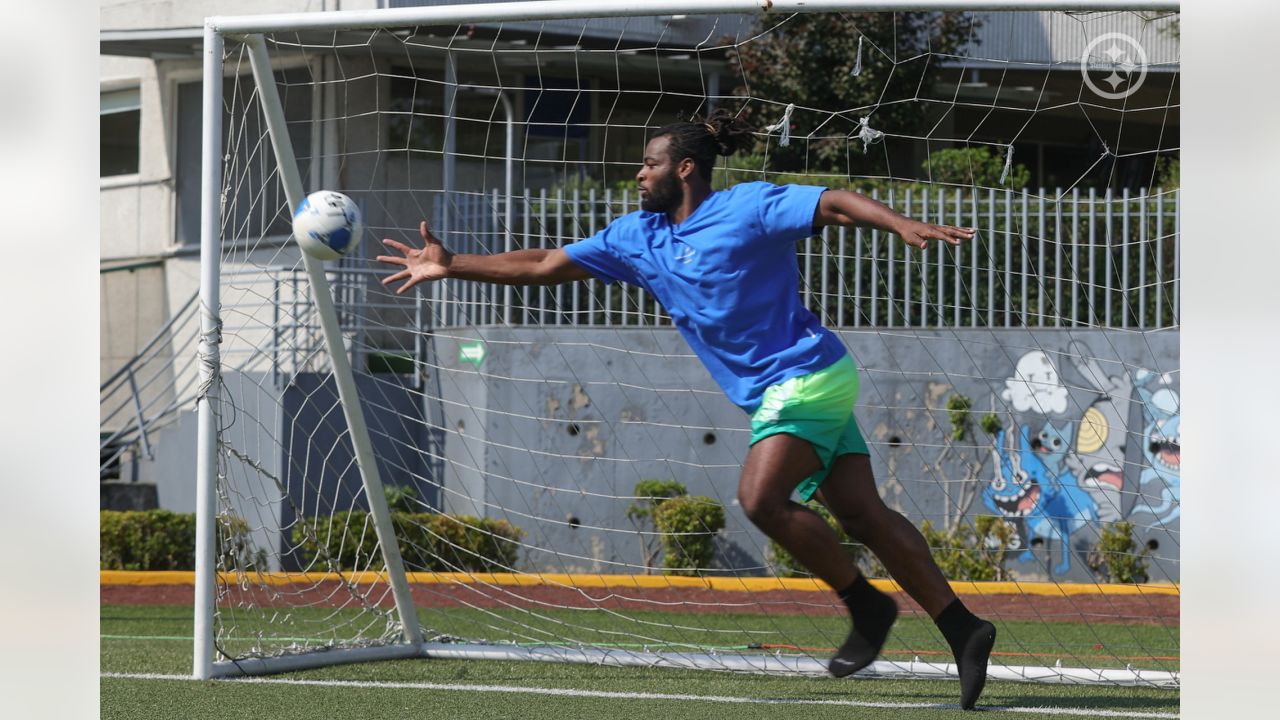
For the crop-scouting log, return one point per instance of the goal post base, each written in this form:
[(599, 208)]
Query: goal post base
[(315, 659)]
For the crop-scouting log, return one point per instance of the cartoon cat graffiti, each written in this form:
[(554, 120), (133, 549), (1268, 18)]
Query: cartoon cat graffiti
[(1099, 454), (1036, 485), (1159, 484)]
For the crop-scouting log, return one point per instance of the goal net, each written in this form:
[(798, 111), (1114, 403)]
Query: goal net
[(549, 473)]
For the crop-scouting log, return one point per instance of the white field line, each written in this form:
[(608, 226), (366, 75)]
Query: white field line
[(568, 692)]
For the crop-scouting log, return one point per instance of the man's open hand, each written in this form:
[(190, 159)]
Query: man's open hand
[(429, 263), (918, 234)]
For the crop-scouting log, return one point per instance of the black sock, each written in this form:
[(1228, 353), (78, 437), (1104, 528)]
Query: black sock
[(971, 639), (873, 614)]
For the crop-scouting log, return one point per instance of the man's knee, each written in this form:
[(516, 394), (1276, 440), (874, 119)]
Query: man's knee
[(756, 506)]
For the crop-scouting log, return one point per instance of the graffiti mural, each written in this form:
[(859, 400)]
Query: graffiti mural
[(1071, 455), (1100, 445), (1159, 484)]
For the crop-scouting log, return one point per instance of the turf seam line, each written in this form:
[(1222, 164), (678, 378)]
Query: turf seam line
[(611, 695)]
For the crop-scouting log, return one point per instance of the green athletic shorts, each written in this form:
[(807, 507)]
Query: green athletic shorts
[(817, 407)]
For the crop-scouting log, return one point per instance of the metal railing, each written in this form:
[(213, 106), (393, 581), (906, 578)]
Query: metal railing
[(1075, 259), (147, 392)]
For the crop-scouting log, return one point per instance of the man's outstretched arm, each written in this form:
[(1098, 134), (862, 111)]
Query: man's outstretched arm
[(518, 267), (843, 207)]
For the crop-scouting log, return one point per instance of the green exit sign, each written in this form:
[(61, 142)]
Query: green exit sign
[(472, 352)]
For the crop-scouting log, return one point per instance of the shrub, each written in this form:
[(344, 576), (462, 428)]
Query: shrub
[(649, 495), (990, 424), (146, 540), (402, 498), (688, 524), (971, 552), (958, 407), (166, 540), (1117, 556), (428, 542), (979, 166), (785, 565)]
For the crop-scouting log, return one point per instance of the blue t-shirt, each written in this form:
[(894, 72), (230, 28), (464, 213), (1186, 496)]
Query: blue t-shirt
[(728, 278)]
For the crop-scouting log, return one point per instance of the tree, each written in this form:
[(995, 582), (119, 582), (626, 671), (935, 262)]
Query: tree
[(812, 60)]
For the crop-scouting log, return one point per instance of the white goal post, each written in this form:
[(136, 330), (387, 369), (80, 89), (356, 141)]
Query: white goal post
[(367, 611)]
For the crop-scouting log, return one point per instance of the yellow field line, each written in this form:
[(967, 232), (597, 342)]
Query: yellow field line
[(746, 584)]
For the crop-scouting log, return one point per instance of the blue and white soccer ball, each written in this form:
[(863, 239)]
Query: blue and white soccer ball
[(327, 224)]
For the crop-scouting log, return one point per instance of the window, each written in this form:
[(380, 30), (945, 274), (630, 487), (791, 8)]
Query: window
[(256, 204), (119, 117)]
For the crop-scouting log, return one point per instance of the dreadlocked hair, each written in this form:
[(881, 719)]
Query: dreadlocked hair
[(702, 139)]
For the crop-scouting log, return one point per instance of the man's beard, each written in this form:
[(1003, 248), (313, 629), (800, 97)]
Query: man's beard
[(664, 195)]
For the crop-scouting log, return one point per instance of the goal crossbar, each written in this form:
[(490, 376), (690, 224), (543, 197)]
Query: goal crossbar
[(563, 9)]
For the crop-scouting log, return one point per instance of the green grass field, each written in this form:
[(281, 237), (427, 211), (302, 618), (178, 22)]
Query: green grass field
[(155, 640)]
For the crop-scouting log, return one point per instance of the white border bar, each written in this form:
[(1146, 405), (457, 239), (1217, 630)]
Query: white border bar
[(210, 361), (736, 662), (796, 665), (565, 9)]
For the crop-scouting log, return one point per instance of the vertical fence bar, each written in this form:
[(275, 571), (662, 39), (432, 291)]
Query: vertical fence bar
[(1110, 262), (844, 283), (576, 216), (1177, 256), (1159, 258), (826, 287), (1042, 269), (973, 260), (1075, 256), (593, 297), (808, 274), (495, 291), (542, 244), (1008, 257), (1057, 257), (939, 253), (924, 264), (1142, 258), (1092, 293), (1125, 245), (624, 203), (889, 263), (1024, 251), (909, 261), (957, 264), (991, 257), (608, 218), (559, 291), (906, 265)]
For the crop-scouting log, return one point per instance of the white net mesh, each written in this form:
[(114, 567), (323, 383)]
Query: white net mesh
[(1020, 393)]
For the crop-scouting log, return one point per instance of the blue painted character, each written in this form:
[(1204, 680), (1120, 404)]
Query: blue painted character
[(1015, 490), (1161, 478), (1037, 485)]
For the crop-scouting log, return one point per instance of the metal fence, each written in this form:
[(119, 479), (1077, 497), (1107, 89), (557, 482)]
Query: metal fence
[(1042, 259)]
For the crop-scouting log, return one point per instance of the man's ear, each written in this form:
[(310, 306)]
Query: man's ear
[(685, 168)]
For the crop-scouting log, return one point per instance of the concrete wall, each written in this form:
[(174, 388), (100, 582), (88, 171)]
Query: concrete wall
[(553, 429)]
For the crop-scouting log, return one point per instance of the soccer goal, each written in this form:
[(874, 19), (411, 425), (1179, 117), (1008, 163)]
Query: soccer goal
[(548, 473)]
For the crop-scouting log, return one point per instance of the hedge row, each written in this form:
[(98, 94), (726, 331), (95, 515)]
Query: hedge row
[(147, 540), (428, 541), (164, 540)]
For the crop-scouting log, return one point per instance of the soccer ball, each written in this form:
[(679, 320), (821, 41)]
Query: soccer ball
[(327, 224)]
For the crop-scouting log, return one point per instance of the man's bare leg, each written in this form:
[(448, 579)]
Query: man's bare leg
[(773, 468), (849, 492)]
